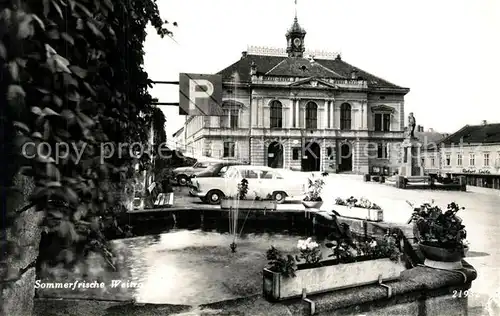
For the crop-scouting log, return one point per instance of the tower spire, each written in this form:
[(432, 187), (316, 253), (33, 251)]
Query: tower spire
[(295, 10), (295, 38)]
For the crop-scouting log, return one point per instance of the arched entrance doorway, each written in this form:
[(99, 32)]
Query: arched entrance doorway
[(275, 155), (345, 158), (311, 161)]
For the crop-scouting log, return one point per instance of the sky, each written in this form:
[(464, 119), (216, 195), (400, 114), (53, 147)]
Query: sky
[(447, 51)]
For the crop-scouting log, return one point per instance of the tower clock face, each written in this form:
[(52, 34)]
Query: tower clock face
[(297, 42)]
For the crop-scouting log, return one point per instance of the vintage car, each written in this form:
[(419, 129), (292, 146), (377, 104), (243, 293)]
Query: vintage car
[(262, 182), (215, 170), (183, 174)]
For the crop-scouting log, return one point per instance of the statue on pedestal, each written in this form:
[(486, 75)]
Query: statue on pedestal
[(411, 126)]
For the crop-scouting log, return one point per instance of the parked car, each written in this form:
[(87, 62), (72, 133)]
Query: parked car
[(183, 174), (262, 181), (216, 170)]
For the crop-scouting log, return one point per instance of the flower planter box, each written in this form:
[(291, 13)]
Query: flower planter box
[(359, 212), (248, 204), (329, 277)]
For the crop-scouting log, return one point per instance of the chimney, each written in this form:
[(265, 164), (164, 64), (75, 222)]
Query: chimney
[(253, 69), (431, 130), (243, 55), (484, 122), (354, 73)]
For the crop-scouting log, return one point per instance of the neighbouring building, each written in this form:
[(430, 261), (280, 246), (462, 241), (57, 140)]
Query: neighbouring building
[(286, 108), (179, 140), (430, 155), (474, 152)]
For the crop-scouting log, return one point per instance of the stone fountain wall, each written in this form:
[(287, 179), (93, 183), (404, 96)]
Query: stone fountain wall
[(17, 293)]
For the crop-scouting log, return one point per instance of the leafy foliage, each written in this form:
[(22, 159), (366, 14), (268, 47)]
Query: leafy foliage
[(361, 203), (268, 197), (437, 228), (345, 248), (279, 263), (314, 189), (242, 189), (72, 79)]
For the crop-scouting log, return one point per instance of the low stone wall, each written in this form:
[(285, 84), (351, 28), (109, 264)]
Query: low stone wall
[(420, 291), (17, 292)]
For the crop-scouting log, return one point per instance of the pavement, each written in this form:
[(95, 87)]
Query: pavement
[(481, 217)]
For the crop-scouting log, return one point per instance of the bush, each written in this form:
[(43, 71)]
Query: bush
[(64, 80)]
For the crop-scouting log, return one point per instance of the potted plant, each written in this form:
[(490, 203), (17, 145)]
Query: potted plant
[(362, 208), (354, 263), (441, 235), (241, 200), (312, 197)]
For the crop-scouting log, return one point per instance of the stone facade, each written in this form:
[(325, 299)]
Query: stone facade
[(339, 117)]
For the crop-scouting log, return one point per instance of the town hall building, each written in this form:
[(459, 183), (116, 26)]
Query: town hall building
[(288, 109)]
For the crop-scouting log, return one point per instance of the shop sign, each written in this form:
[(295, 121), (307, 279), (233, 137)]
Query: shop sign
[(476, 171)]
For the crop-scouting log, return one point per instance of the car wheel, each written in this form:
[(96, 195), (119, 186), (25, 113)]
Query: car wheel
[(182, 179), (279, 197), (214, 196)]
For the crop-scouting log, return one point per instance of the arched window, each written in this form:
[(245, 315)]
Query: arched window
[(311, 115), (276, 114), (345, 116)]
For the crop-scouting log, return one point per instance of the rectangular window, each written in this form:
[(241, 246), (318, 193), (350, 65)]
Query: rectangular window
[(229, 149), (229, 119), (378, 122), (448, 160), (386, 122), (329, 123), (382, 151), (276, 115), (422, 161), (433, 162), (311, 117), (486, 159), (382, 122), (329, 153), (250, 174), (233, 118), (224, 119), (459, 160), (295, 153), (472, 159)]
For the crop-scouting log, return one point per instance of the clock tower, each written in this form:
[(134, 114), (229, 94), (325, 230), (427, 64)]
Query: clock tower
[(295, 39)]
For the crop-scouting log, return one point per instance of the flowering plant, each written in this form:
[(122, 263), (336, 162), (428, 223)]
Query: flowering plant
[(433, 227), (361, 203), (309, 251), (314, 188), (344, 248), (242, 191), (280, 263), (367, 249)]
